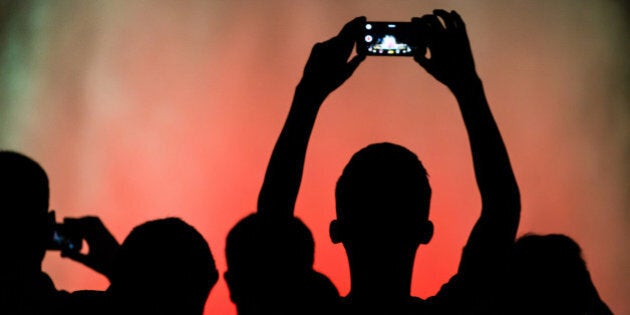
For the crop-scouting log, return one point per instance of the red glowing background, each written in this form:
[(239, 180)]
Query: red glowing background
[(141, 110)]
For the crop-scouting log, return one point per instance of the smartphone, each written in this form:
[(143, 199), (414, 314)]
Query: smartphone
[(61, 237), (387, 39)]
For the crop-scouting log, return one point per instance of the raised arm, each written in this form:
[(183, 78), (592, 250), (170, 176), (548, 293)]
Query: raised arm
[(451, 63), (102, 244), (327, 68)]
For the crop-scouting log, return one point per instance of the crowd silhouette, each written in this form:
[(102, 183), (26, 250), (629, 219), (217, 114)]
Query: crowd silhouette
[(383, 199)]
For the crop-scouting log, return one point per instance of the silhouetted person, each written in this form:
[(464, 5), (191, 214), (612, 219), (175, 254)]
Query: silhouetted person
[(270, 268), (24, 195), (27, 229), (384, 188), (383, 195), (382, 200), (548, 275), (163, 267)]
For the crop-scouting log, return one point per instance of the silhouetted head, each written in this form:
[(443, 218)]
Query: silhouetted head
[(24, 197), (383, 199), (270, 263), (547, 275), (163, 267)]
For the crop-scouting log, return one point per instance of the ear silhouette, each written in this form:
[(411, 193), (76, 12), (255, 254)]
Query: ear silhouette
[(426, 232), (335, 231)]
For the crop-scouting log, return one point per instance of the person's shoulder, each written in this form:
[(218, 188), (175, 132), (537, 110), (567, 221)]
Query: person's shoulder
[(414, 300), (324, 285), (414, 305), (417, 305), (449, 289), (88, 302), (45, 288)]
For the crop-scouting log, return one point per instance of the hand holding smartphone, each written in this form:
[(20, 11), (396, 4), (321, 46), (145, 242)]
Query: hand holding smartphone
[(68, 237), (388, 39), (62, 237)]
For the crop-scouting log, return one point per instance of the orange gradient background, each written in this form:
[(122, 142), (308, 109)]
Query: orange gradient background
[(146, 109)]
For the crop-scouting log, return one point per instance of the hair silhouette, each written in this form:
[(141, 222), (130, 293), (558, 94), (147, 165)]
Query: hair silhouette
[(383, 176), (270, 263), (547, 275), (163, 267)]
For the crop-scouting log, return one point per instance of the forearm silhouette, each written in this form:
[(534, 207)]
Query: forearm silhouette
[(327, 68), (452, 63)]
